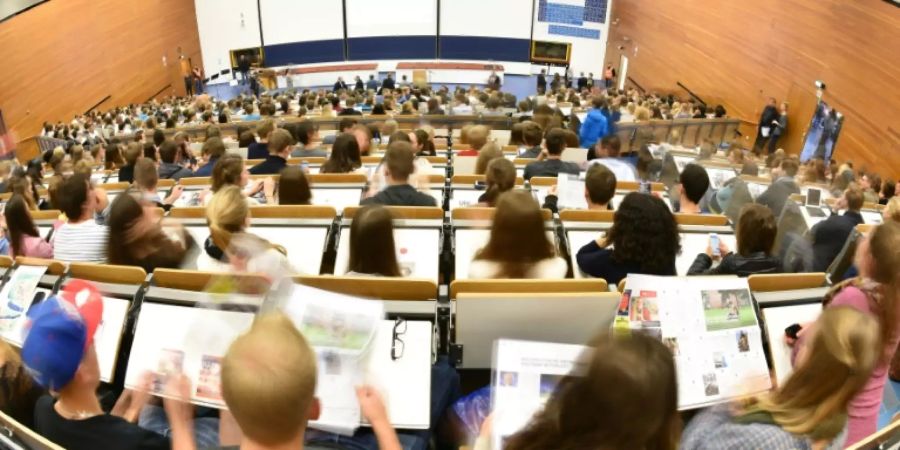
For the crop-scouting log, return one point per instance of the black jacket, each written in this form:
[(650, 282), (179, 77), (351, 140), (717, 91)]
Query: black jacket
[(271, 166), (829, 236), (542, 82), (735, 264), (338, 85), (349, 112), (400, 195), (769, 114), (388, 83)]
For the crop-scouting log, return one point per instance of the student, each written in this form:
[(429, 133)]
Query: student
[(892, 210), (488, 153), (20, 393), (364, 136), (644, 239), (132, 153), (372, 249), (584, 412), (24, 238), (809, 410), (260, 149), (279, 151), (784, 185), (499, 178), (345, 157), (693, 182), (599, 189), (305, 135), (146, 180), (829, 235), (532, 135), (398, 136), (229, 245), (372, 85), (293, 188), (870, 183), (168, 169), (113, 159), (399, 164), (874, 293), (273, 415), (212, 150), (606, 152), (59, 353), (81, 239), (552, 165), (518, 246), (344, 126), (137, 239), (756, 231), (476, 137), (595, 125), (424, 144), (888, 191)]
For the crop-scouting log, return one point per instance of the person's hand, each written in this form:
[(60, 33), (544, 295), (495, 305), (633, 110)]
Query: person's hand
[(269, 189), (254, 187), (177, 394), (723, 248), (487, 427), (177, 190), (543, 154), (371, 405), (554, 190)]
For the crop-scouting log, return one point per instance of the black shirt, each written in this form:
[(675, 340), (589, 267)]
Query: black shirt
[(829, 237), (349, 112), (258, 150), (126, 174), (400, 195), (103, 431), (550, 168), (271, 166)]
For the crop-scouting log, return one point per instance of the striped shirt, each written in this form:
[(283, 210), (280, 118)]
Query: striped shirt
[(81, 242), (715, 429)]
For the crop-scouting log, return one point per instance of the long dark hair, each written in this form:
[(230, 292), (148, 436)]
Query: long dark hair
[(499, 178), (293, 187), (18, 223), (627, 399), (424, 139), (344, 155), (372, 249), (518, 238), (644, 234)]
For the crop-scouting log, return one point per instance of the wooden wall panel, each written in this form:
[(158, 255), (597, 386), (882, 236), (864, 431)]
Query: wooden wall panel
[(62, 57), (739, 52)]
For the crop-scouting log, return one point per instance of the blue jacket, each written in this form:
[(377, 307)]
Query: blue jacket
[(594, 127)]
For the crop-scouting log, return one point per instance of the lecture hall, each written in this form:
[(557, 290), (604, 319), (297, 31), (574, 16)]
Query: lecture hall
[(449, 224)]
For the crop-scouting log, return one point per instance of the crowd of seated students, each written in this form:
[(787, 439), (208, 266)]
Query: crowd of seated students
[(842, 360)]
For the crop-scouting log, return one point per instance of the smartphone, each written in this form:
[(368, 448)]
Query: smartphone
[(714, 243), (644, 188)]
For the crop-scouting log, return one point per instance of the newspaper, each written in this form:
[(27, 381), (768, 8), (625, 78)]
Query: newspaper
[(570, 191), (341, 329), (16, 299), (709, 324), (525, 374)]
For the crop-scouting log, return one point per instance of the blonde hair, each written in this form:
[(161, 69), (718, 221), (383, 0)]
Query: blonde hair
[(226, 215), (892, 209), (843, 352), (478, 136), (269, 380), (488, 153), (642, 114)]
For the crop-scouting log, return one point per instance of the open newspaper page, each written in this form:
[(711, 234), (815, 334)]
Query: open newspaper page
[(570, 190), (709, 324), (525, 374), (341, 329), (16, 298)]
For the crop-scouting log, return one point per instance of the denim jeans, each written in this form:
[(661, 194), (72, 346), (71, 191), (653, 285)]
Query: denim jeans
[(206, 429)]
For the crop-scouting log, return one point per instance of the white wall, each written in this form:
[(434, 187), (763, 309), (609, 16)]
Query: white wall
[(587, 54), (225, 25), (390, 18), (494, 18), (286, 21)]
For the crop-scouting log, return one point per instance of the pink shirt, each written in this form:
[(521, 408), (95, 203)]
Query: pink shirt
[(863, 410), (34, 247)]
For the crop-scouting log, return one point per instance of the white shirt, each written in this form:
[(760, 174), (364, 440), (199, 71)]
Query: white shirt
[(621, 169), (551, 268), (82, 242)]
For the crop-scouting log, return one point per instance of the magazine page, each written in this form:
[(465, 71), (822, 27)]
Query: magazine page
[(341, 329), (525, 374), (711, 327), (15, 299)]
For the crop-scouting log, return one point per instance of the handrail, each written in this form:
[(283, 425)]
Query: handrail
[(690, 92), (98, 104), (635, 83), (158, 92)]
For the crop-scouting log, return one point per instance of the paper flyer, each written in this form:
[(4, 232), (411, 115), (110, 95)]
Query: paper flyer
[(15, 300), (525, 374), (710, 325)]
